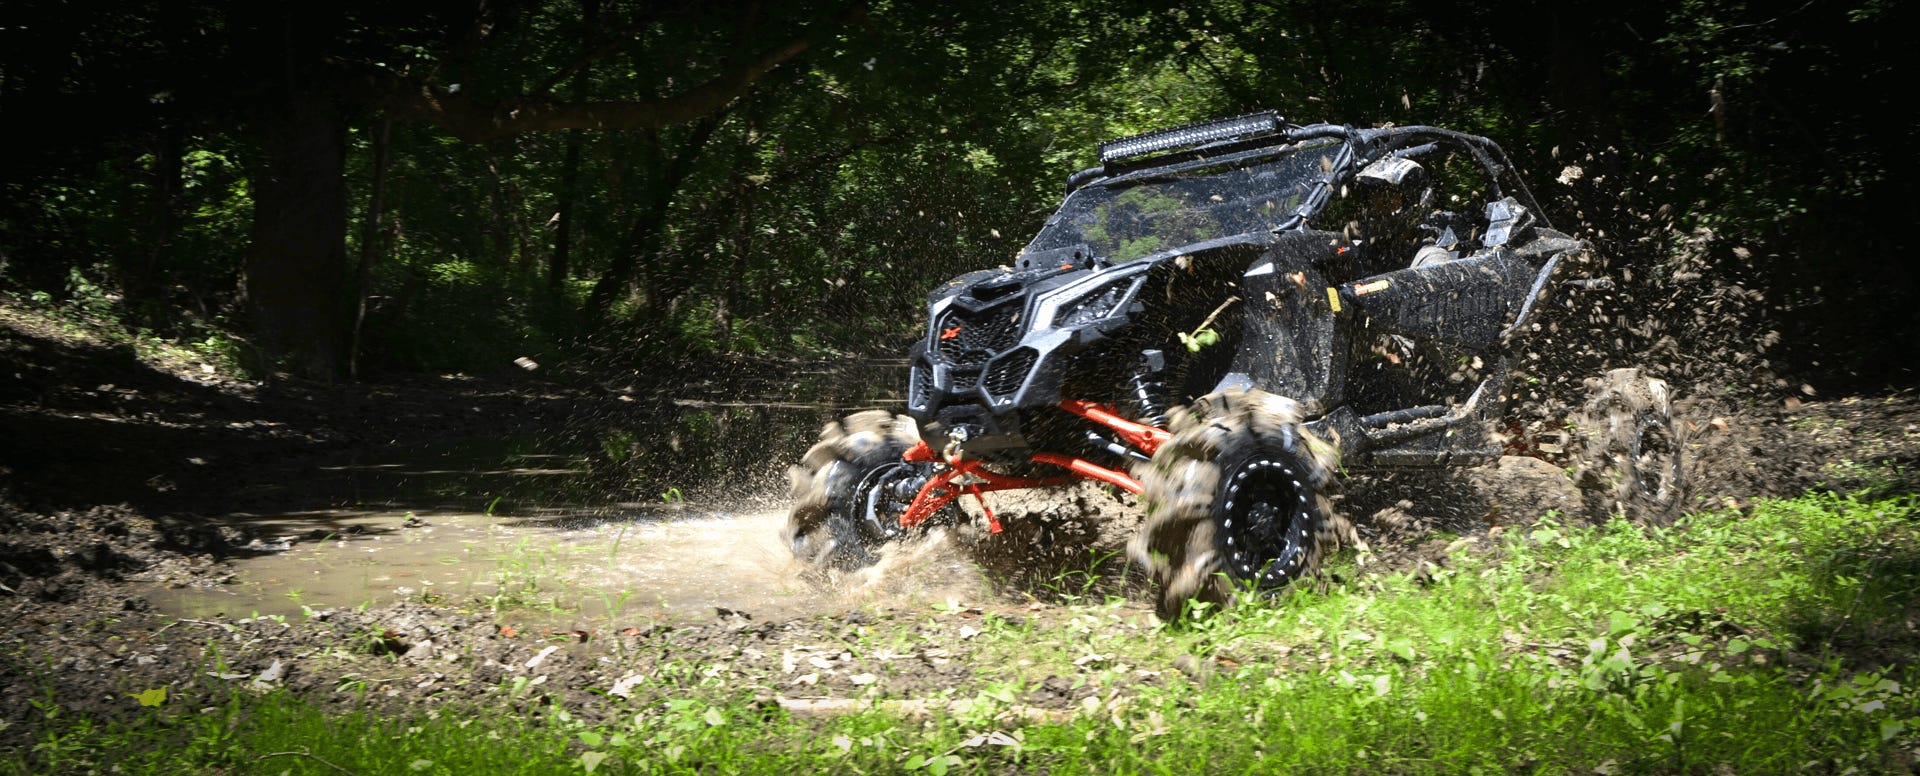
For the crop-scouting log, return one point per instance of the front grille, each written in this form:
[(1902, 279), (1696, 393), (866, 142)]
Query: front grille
[(962, 380), (1010, 372), (967, 339), (920, 385)]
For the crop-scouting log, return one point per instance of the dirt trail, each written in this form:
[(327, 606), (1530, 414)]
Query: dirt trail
[(114, 467)]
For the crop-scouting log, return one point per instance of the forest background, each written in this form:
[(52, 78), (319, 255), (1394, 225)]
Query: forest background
[(337, 190)]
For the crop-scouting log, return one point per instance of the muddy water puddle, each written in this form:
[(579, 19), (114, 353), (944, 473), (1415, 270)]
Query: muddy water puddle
[(663, 565), (529, 528), (676, 564)]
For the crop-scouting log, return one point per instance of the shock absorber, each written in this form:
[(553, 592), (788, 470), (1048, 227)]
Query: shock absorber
[(1149, 390)]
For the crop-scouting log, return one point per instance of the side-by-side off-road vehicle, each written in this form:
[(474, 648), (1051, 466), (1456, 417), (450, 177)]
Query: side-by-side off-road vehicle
[(1217, 318)]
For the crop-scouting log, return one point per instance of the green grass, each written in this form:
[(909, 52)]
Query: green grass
[(1769, 641)]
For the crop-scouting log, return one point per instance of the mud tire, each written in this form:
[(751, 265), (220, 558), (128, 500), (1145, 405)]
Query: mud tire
[(1631, 453), (827, 526), (1241, 488)]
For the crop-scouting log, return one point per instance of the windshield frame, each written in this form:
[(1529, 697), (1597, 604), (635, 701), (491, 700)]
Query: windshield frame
[(1083, 219)]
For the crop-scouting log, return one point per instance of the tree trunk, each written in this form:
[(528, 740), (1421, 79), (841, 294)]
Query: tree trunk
[(728, 310), (643, 238), (139, 272), (296, 270), (557, 262), (370, 245)]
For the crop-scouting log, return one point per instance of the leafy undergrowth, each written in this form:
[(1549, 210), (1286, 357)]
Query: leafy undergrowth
[(1759, 641)]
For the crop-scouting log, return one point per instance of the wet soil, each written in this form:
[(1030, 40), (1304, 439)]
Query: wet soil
[(122, 479)]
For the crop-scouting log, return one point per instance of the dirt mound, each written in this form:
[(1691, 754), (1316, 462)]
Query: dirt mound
[(79, 556)]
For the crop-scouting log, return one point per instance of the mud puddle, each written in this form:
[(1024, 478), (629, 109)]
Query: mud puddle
[(566, 572), (573, 570), (518, 527)]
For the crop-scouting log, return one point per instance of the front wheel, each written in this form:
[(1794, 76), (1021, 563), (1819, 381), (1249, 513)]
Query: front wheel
[(851, 488), (1240, 489)]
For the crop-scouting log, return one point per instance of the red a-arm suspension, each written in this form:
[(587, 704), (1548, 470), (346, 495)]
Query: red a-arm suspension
[(965, 476)]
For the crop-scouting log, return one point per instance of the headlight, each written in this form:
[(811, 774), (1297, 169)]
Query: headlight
[(1092, 307), (1087, 302)]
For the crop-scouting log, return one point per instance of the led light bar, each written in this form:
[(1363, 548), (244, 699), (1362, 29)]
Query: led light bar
[(1189, 136)]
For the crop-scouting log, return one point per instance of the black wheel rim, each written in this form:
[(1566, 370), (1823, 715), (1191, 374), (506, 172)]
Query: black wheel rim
[(1265, 514), (883, 496)]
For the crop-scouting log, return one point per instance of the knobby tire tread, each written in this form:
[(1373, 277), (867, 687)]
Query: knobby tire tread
[(1180, 541)]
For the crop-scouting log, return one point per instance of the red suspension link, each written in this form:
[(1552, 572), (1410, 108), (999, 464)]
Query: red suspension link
[(1142, 436), (944, 487), (1091, 471), (971, 478)]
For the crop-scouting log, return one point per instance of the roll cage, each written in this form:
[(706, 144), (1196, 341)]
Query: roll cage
[(1255, 137)]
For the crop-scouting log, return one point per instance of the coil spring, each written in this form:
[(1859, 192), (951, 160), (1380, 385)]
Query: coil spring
[(1149, 393)]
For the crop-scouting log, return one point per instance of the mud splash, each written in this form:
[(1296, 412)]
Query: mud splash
[(568, 571)]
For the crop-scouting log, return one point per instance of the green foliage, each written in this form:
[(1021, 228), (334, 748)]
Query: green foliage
[(457, 315), (812, 213), (1559, 648)]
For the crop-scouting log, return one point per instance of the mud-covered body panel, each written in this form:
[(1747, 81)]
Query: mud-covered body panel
[(1160, 280), (1219, 319)]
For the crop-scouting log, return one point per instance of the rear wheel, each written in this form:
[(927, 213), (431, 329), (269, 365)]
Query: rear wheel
[(1240, 489), (1630, 449), (851, 488)]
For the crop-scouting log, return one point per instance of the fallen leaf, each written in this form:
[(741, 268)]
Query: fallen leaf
[(624, 687), (151, 698), (266, 678), (995, 738)]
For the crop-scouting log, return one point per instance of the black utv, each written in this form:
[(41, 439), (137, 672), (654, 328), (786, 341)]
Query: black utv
[(1218, 318)]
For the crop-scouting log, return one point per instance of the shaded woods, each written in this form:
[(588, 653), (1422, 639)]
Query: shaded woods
[(326, 190)]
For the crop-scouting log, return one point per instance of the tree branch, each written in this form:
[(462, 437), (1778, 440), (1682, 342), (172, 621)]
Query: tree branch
[(478, 122)]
